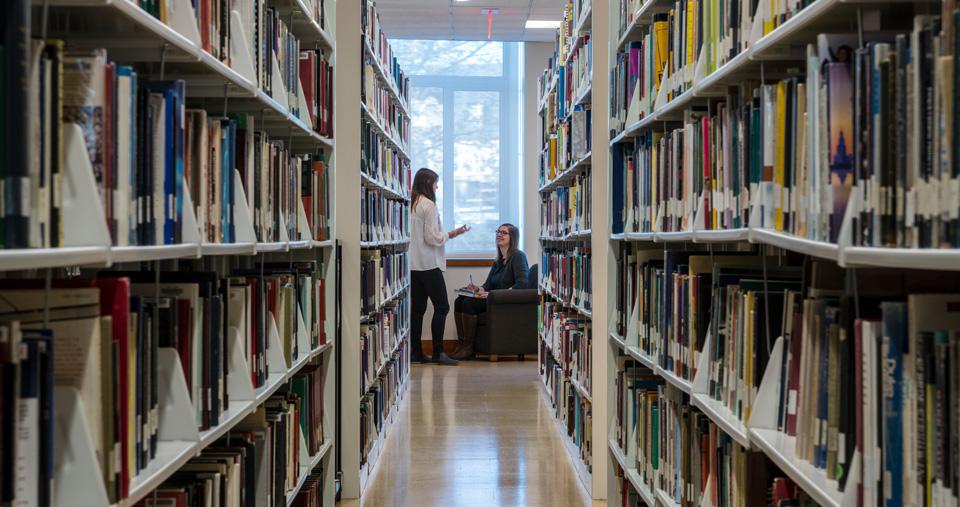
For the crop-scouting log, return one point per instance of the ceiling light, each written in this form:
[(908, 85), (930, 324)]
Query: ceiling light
[(542, 23)]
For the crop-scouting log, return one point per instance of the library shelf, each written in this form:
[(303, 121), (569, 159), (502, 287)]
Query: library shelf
[(644, 359), (572, 50), (326, 243), (641, 18), (550, 89), (673, 237), (712, 84), (367, 469), (565, 175), (619, 236), (789, 242), (573, 236), (639, 236), (585, 20), (382, 130), (721, 235), (384, 243), (674, 380), (300, 244), (273, 246), (370, 182), (230, 417), (582, 390), (582, 96), (244, 248), (580, 309), (586, 478), (722, 417), (171, 456), (631, 474), (384, 76), (154, 252), (618, 341), (304, 471), (36, 258), (304, 26), (664, 498), (779, 447), (946, 259)]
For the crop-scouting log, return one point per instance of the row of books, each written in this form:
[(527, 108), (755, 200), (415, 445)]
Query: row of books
[(569, 336), (567, 274), (689, 41), (256, 463), (575, 75), (566, 209), (117, 323), (382, 218), (383, 163), (376, 97), (379, 401), (676, 450), (878, 373), (316, 78), (565, 143), (383, 274), (380, 338), (171, 148), (572, 409), (382, 50)]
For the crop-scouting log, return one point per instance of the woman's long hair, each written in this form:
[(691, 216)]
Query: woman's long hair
[(514, 244), (423, 186)]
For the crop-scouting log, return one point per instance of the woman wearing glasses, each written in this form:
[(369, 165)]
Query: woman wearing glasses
[(428, 261), (508, 272)]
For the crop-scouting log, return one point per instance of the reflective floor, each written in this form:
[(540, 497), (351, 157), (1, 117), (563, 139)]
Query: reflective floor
[(475, 434)]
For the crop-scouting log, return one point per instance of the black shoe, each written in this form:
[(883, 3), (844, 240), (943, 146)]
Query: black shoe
[(422, 359), (444, 360)]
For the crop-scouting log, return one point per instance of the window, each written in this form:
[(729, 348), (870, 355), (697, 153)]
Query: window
[(465, 104)]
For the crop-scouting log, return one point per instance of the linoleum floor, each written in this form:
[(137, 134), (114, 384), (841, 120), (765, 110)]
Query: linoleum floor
[(471, 435)]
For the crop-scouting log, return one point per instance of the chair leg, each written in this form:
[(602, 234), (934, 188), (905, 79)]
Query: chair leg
[(493, 358), (520, 357)]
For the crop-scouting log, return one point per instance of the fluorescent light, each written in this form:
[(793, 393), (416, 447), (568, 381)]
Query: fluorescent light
[(542, 23)]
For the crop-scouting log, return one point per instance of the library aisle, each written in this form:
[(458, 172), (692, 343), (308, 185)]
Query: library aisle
[(477, 434)]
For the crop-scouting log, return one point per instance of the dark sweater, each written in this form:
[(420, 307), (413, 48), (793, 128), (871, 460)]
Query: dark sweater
[(511, 274)]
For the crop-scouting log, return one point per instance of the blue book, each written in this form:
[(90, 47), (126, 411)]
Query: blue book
[(173, 93), (894, 339)]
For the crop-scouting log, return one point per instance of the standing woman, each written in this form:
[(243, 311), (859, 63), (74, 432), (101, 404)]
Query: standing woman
[(428, 261)]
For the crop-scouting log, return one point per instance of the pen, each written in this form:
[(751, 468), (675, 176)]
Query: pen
[(471, 279)]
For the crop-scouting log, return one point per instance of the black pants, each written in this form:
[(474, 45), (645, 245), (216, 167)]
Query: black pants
[(470, 306), (424, 284)]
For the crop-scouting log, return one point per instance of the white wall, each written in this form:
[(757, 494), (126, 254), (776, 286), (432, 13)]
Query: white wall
[(454, 278), (535, 56)]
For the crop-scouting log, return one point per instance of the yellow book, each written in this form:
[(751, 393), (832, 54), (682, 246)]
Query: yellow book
[(690, 42), (660, 34), (778, 164)]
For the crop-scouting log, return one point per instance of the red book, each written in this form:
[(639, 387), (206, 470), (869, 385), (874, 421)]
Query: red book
[(793, 370), (308, 80)]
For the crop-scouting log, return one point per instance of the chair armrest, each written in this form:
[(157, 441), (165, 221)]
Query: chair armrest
[(512, 296)]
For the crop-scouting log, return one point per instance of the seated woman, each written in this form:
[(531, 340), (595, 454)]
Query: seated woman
[(508, 272)]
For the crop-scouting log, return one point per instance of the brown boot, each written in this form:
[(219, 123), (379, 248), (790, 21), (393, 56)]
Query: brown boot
[(458, 318), (469, 337)]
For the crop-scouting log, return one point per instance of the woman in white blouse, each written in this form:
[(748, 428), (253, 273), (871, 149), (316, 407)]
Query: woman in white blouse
[(428, 261)]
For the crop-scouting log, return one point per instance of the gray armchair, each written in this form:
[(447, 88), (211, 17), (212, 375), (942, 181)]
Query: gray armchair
[(509, 326)]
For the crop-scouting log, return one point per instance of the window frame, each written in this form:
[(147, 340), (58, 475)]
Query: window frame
[(506, 86)]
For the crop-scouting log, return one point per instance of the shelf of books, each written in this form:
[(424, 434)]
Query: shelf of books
[(384, 359), (782, 230), (157, 157), (565, 233)]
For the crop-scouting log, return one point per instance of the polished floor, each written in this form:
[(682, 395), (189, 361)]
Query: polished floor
[(471, 435)]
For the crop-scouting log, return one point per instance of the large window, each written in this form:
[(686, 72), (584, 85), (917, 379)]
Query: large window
[(465, 103)]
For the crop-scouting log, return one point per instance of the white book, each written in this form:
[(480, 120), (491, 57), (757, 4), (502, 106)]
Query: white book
[(125, 158)]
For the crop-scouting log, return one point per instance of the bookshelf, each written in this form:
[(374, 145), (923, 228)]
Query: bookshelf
[(839, 261), (572, 92), (376, 302), (175, 271)]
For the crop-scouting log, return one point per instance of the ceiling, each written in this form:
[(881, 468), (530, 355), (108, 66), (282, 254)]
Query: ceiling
[(449, 19)]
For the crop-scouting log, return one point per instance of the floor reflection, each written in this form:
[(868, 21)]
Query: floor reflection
[(471, 435)]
